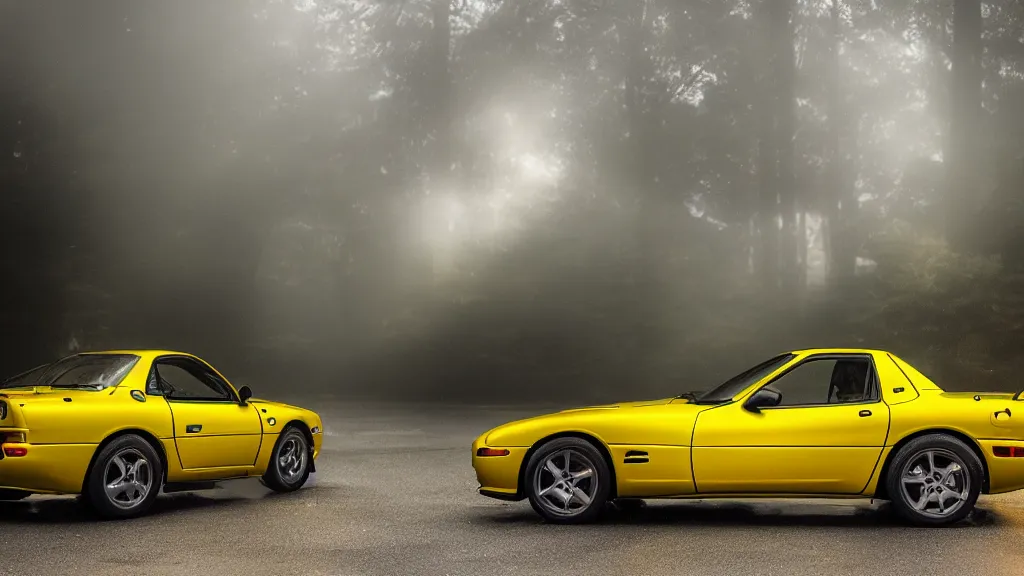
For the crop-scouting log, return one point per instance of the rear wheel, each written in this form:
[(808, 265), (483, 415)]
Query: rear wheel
[(935, 480), (290, 463), (124, 481), (568, 481), (12, 495)]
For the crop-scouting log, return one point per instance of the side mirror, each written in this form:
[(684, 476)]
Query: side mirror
[(763, 398), (244, 393)]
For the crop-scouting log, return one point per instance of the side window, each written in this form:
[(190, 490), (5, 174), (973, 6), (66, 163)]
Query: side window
[(827, 381), (178, 381)]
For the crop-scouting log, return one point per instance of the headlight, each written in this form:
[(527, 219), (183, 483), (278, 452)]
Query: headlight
[(3, 410)]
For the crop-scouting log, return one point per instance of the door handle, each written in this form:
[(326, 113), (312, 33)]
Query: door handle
[(1007, 410), (865, 413), (193, 428)]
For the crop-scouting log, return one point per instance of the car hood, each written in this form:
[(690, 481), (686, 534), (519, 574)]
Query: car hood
[(271, 403), (636, 422), (631, 404)]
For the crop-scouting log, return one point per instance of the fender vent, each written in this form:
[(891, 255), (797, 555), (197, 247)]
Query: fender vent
[(636, 457)]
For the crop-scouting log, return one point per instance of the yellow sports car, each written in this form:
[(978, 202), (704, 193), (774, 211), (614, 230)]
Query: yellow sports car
[(117, 427), (832, 423)]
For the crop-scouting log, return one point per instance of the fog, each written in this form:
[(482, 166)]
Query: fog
[(495, 201)]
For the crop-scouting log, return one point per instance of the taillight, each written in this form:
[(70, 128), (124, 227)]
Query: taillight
[(15, 451), (12, 437), (492, 452), (1008, 451)]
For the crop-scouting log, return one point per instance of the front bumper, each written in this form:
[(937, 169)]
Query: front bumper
[(499, 475)]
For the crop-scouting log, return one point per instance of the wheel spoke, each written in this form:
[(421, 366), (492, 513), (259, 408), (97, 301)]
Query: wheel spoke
[(561, 495), (119, 463), (948, 472), (114, 489), (581, 496), (950, 495), (913, 480), (931, 462), (555, 470), (923, 501), (567, 468), (582, 474), (142, 489)]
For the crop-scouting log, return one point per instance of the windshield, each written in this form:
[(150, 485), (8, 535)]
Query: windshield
[(81, 371), (736, 384)]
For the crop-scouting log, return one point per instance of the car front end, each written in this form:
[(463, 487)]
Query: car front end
[(497, 468)]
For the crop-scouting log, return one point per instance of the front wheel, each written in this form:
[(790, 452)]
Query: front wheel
[(568, 481), (290, 463), (935, 480)]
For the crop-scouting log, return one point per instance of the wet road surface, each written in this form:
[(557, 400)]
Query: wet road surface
[(395, 494)]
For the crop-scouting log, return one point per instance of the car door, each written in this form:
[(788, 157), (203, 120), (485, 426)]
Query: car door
[(211, 428), (813, 442)]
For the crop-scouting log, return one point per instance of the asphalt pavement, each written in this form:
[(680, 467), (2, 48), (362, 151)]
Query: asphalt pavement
[(395, 494)]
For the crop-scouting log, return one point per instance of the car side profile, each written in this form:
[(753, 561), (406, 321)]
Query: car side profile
[(823, 423), (117, 427)]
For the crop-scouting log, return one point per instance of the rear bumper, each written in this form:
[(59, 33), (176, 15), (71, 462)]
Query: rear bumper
[(1005, 474), (47, 468)]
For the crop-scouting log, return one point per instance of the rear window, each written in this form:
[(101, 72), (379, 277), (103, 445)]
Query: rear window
[(79, 371)]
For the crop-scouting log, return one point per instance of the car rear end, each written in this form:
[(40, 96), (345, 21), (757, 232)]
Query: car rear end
[(14, 448), (45, 467)]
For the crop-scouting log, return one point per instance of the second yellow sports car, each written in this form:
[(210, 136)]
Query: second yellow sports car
[(117, 427), (834, 423)]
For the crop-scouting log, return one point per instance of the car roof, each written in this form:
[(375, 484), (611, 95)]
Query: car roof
[(144, 354), (838, 351)]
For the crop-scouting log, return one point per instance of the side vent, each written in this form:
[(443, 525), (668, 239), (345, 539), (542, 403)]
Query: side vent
[(636, 457)]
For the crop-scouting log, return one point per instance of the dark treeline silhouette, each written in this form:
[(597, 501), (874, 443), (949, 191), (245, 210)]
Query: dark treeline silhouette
[(509, 201)]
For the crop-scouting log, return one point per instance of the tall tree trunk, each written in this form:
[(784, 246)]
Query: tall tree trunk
[(641, 147), (439, 124), (441, 92), (841, 206), (962, 156), (785, 67), (767, 254)]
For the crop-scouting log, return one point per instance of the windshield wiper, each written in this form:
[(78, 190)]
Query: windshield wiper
[(77, 386), (691, 396)]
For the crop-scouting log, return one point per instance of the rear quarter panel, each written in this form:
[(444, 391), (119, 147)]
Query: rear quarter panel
[(64, 431), (936, 410)]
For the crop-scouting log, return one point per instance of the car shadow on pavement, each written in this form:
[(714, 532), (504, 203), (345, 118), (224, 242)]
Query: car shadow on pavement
[(742, 513), (72, 510)]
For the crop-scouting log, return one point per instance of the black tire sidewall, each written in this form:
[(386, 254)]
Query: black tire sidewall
[(273, 478), (974, 468), (95, 494), (604, 479)]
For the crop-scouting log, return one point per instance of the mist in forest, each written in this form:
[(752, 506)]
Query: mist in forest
[(496, 201)]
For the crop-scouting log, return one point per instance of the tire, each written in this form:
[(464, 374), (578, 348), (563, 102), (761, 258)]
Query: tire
[(568, 498), (125, 479), (943, 480), (13, 495), (290, 463)]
